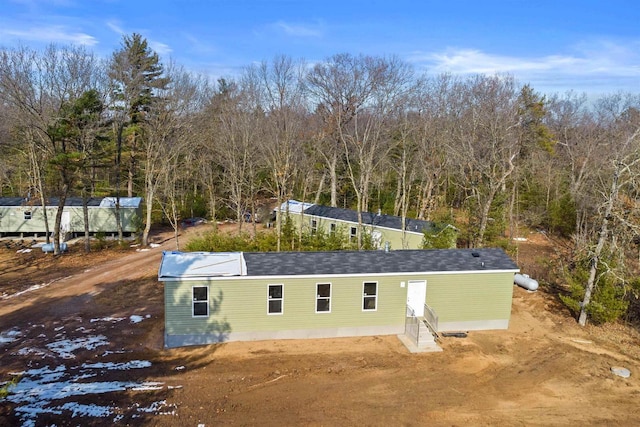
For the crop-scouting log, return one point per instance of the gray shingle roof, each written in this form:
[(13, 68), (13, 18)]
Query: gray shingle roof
[(376, 262), (53, 201), (368, 218)]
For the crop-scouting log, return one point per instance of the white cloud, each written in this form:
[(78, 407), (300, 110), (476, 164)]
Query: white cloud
[(603, 63), (159, 47), (50, 34), (115, 27), (298, 30)]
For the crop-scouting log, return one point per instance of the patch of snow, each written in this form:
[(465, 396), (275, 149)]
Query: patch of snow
[(23, 251), (157, 407), (35, 351), (520, 239), (9, 336), (39, 388), (45, 374), (179, 368), (78, 409), (143, 250), (33, 288), (65, 348), (132, 364), (59, 328), (108, 352), (108, 319), (135, 318), (147, 386), (154, 245)]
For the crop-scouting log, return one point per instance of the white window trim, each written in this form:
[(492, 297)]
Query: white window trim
[(28, 215), (318, 297), (275, 299), (313, 224), (332, 228), (193, 302), (370, 296)]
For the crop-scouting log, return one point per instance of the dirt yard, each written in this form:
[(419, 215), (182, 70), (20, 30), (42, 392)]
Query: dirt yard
[(81, 336)]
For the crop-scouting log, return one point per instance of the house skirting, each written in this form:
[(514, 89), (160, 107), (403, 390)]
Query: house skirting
[(475, 325), (171, 340)]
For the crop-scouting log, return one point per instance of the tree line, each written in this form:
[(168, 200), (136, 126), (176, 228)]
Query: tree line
[(484, 152)]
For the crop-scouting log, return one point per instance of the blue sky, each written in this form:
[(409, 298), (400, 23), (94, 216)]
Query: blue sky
[(585, 46)]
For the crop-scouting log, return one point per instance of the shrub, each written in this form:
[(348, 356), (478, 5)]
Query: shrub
[(444, 236), (608, 302)]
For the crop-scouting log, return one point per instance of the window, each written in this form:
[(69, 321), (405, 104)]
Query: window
[(332, 228), (200, 301), (323, 298), (369, 296), (353, 233), (314, 226), (27, 214), (275, 298)]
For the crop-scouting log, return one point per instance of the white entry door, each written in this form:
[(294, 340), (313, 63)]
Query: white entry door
[(416, 294), (65, 222)]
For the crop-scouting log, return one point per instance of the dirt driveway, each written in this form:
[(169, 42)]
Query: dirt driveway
[(87, 350)]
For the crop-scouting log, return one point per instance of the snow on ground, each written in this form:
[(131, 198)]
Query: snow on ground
[(137, 319), (42, 390), (107, 319), (65, 348), (31, 288), (9, 336)]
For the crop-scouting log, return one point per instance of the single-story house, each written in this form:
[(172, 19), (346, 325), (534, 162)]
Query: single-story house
[(215, 297), (25, 217), (385, 230)]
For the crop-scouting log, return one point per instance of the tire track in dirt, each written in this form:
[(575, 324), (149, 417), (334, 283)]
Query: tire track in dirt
[(134, 266)]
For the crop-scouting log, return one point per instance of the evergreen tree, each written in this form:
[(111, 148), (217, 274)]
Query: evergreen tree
[(136, 73)]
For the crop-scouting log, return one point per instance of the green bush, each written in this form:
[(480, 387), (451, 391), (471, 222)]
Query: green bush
[(608, 302), (5, 388), (215, 241), (444, 236)]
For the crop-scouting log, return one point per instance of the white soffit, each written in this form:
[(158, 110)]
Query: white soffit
[(202, 264)]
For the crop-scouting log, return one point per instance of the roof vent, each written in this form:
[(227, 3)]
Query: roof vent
[(475, 254)]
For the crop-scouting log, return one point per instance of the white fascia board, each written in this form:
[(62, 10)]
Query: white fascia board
[(317, 276)]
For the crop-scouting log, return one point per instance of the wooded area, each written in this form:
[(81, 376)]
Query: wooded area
[(484, 153)]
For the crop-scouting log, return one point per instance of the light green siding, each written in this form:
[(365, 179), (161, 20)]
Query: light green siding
[(470, 297), (238, 307), (396, 239), (241, 305), (101, 219)]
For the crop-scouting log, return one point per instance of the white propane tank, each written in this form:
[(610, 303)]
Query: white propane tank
[(526, 282)]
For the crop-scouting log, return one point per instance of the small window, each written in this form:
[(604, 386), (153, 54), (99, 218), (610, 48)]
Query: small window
[(353, 233), (314, 226), (200, 301), (275, 299), (369, 296), (323, 298), (332, 228), (27, 214)]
